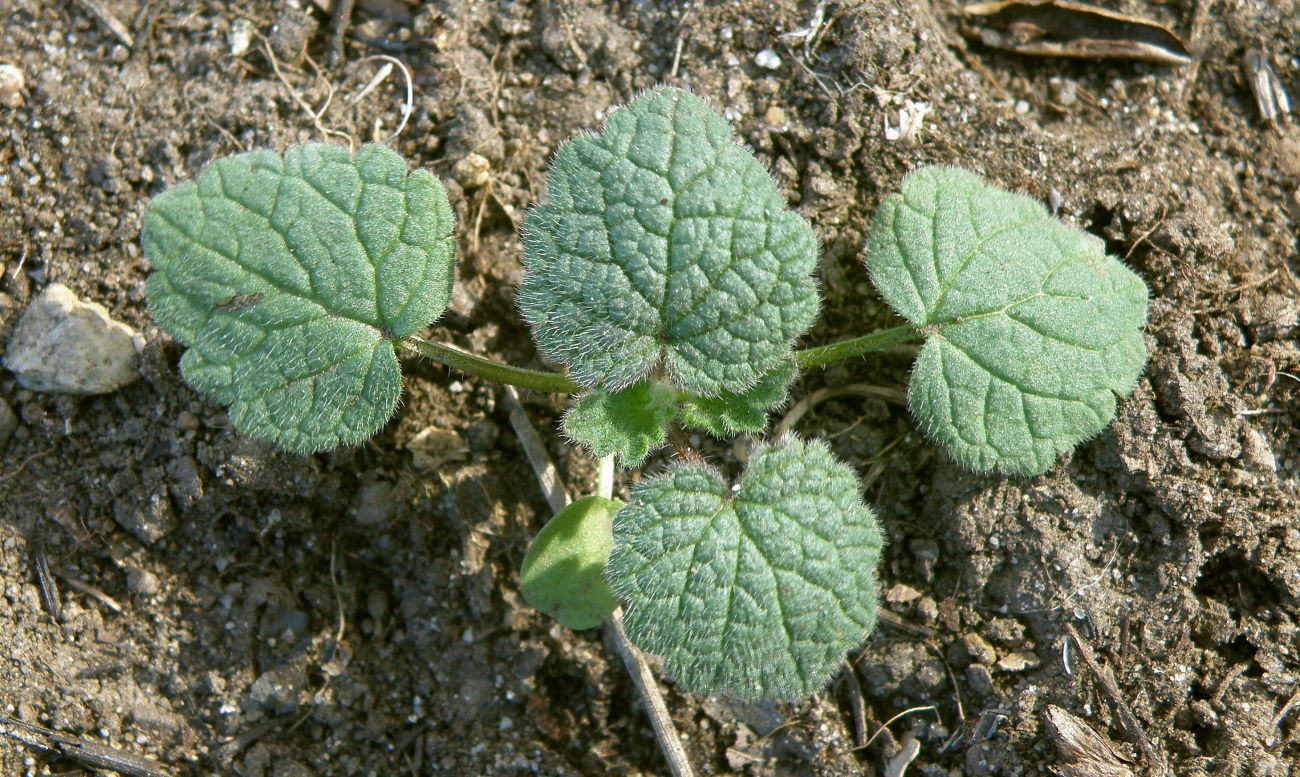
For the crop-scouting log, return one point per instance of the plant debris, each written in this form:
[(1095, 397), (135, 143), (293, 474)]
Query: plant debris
[(1270, 97), (1055, 28)]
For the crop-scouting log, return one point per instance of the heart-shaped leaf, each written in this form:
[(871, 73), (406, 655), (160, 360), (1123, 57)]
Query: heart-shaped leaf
[(1032, 330), (758, 589), (289, 278), (664, 249)]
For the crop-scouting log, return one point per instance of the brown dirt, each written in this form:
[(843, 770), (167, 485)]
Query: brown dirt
[(351, 614)]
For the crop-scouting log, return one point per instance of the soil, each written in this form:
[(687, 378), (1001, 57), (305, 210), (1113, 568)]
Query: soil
[(357, 613)]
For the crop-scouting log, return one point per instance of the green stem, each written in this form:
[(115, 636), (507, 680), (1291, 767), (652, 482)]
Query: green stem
[(537, 380), (558, 383), (844, 349)]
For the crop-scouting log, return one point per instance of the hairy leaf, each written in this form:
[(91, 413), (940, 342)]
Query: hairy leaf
[(1033, 331), (665, 248), (756, 590), (629, 422), (563, 574), (730, 412), (288, 278)]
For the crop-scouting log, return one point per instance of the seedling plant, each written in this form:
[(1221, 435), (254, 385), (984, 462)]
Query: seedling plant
[(665, 273)]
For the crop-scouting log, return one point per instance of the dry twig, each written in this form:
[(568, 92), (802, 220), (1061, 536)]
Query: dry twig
[(670, 744), (1122, 711)]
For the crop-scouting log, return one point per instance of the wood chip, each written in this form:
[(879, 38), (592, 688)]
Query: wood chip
[(1057, 28), (1086, 753)]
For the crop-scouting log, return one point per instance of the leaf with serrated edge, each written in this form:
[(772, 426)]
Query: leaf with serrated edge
[(759, 590), (288, 279), (1032, 330), (731, 412), (630, 422), (665, 247)]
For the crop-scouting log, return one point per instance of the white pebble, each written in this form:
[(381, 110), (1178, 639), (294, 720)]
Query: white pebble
[(12, 82), (767, 58)]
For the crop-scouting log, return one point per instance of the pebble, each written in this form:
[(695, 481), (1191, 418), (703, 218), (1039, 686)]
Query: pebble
[(472, 171), (432, 447), (978, 649), (1256, 452), (65, 346), (276, 691), (1018, 662), (980, 679), (150, 521), (12, 82), (901, 593), (240, 36), (1064, 91), (373, 504), (143, 582), (774, 117), (767, 58), (8, 422)]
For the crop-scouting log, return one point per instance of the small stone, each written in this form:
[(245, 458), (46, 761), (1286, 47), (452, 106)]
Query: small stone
[(927, 609), (276, 691), (980, 680), (901, 593), (12, 82), (472, 171), (774, 117), (8, 422), (240, 35), (373, 504), (977, 649), (1018, 662), (143, 582), (65, 346), (482, 436), (432, 447), (768, 59), (1065, 92), (150, 521), (1256, 452)]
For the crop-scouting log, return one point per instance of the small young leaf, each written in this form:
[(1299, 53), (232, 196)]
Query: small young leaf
[(757, 590), (1033, 331), (563, 574), (665, 247), (629, 422), (289, 278), (730, 412)]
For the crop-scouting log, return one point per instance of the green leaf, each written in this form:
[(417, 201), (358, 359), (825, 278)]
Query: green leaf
[(731, 412), (665, 249), (564, 571), (288, 279), (1033, 331), (757, 590), (634, 421), (630, 422)]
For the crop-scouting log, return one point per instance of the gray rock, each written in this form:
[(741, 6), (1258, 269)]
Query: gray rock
[(373, 504), (8, 422), (149, 521), (277, 691), (65, 346), (142, 581), (980, 680)]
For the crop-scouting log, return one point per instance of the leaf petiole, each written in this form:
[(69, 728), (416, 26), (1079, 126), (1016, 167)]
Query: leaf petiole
[(844, 349), (558, 383), (537, 380)]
